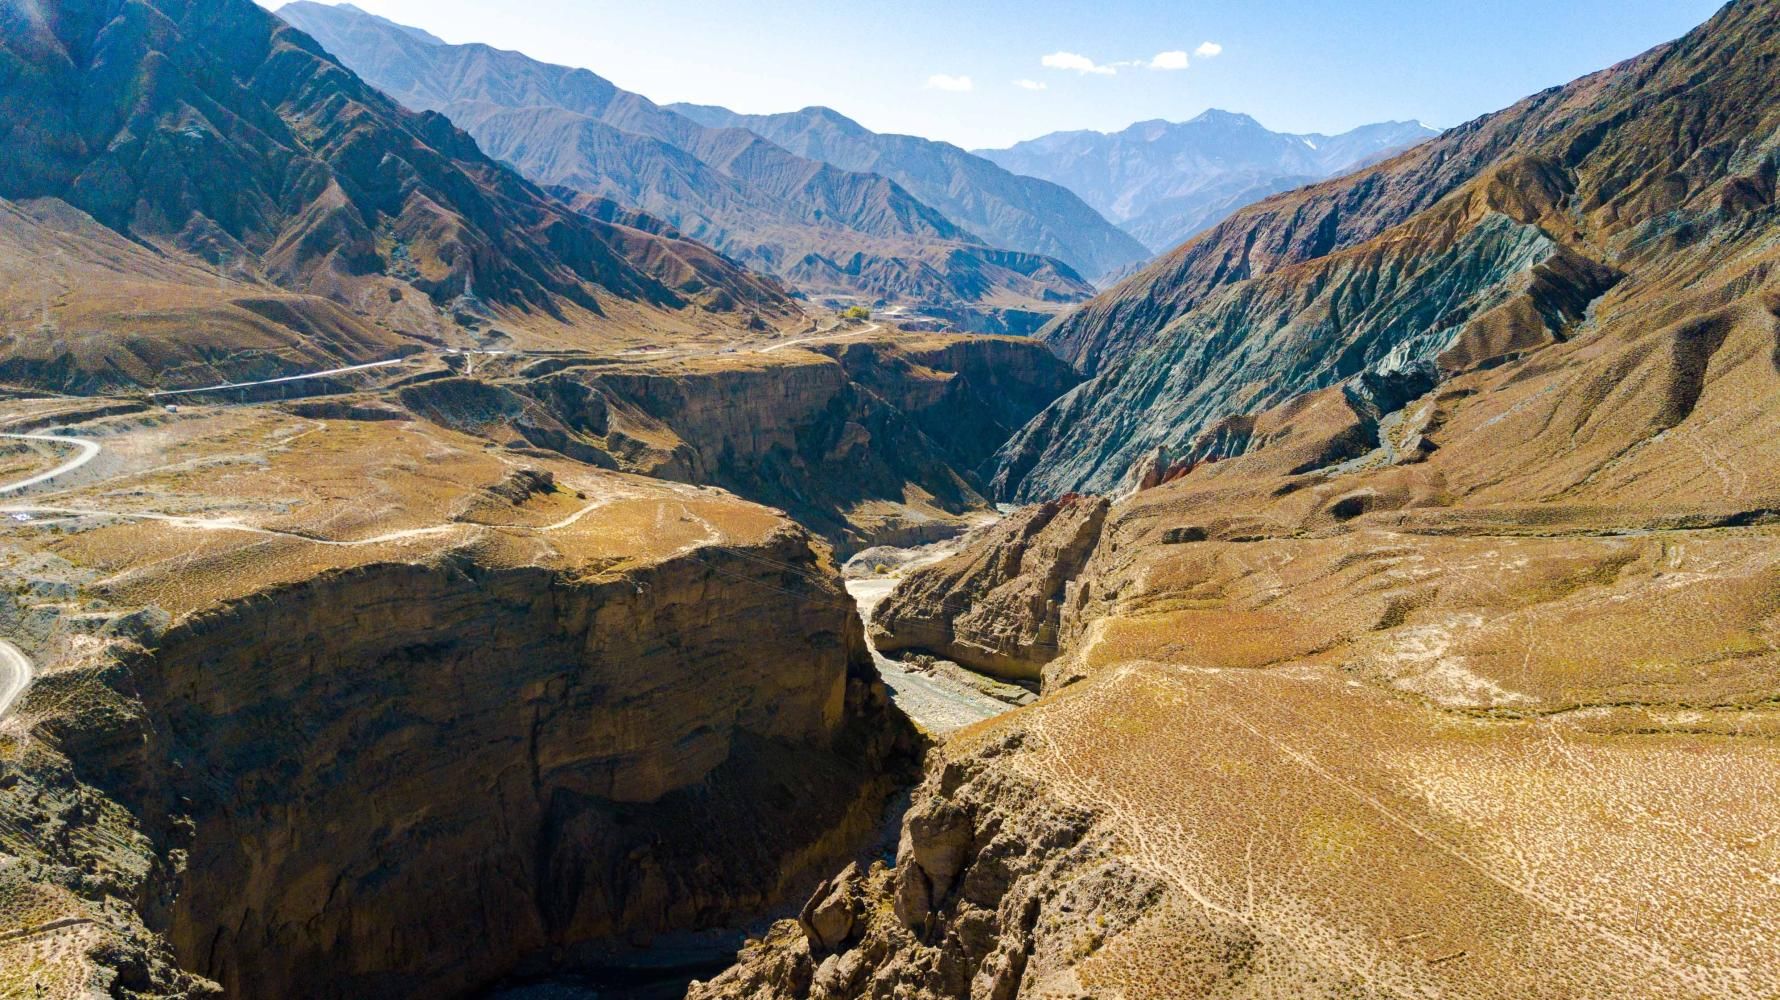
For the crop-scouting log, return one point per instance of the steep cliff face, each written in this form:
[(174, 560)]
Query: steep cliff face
[(967, 395), (408, 749), (872, 439), (997, 606), (509, 734)]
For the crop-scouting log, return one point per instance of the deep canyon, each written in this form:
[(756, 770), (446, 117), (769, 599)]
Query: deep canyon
[(599, 568)]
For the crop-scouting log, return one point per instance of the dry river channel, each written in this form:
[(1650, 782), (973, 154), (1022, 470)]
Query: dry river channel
[(940, 700)]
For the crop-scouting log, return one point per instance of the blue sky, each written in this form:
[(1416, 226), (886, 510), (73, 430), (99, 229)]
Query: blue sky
[(952, 69)]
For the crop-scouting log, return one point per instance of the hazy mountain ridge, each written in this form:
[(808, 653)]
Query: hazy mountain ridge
[(745, 195), (1165, 181), (1003, 207)]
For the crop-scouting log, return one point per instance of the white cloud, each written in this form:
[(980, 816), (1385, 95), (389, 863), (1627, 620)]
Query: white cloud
[(1206, 50), (957, 84), (1078, 63), (1029, 85), (1169, 60)]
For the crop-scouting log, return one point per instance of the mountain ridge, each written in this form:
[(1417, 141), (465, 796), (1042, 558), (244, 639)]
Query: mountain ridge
[(218, 134), (1573, 195), (1164, 181), (760, 203), (995, 203)]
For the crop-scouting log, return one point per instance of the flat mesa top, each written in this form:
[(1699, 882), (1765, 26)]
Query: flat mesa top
[(187, 510)]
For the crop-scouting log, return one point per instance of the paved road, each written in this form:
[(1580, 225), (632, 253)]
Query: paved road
[(88, 451), (15, 666), (15, 676), (825, 336), (470, 354), (287, 378)]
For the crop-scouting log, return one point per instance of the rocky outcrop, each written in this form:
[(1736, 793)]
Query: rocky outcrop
[(314, 766), (997, 606), (996, 893)]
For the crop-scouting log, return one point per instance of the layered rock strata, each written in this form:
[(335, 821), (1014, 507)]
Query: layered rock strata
[(1604, 204), (867, 439)]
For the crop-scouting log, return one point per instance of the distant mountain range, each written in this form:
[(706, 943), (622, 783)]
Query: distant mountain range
[(826, 228), (1164, 182), (1003, 207)]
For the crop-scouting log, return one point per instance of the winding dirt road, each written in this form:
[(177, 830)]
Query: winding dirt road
[(15, 676), (89, 450), (15, 666)]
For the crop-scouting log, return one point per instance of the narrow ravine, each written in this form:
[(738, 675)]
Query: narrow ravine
[(940, 701)]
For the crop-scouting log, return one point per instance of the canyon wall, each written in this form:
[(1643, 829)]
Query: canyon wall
[(416, 764), (868, 440)]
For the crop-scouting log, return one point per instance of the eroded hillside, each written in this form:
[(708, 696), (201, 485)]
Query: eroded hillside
[(264, 206), (1605, 208)]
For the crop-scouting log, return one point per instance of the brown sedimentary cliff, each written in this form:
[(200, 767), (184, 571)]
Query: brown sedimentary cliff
[(350, 746), (996, 607), (466, 719), (968, 395), (867, 439)]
